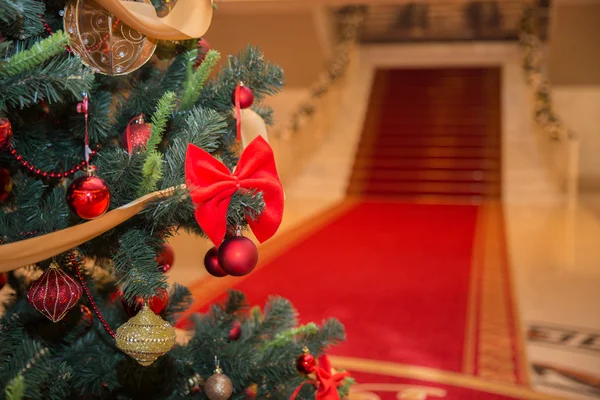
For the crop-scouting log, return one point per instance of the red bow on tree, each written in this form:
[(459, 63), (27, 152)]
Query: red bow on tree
[(326, 382), (211, 186)]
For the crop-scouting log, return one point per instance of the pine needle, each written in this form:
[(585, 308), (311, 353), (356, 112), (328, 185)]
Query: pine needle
[(16, 388), (197, 79), (40, 52)]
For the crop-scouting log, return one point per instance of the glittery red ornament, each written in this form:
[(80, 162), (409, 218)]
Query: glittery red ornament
[(211, 263), (5, 132), (235, 332), (246, 97), (54, 293), (88, 197), (165, 258), (238, 255), (136, 135), (6, 183), (203, 48), (306, 363), (157, 303)]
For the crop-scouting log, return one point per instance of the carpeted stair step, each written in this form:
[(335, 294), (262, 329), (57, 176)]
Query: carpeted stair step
[(432, 175), (432, 141), (451, 188), (424, 163), (429, 152)]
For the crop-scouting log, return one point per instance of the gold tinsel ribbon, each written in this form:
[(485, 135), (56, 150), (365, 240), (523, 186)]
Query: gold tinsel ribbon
[(188, 19)]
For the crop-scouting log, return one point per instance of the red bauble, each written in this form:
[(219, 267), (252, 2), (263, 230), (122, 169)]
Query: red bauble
[(88, 197), (211, 263), (54, 293), (203, 48), (238, 255), (165, 258), (6, 183), (5, 132), (235, 332), (136, 135), (246, 97), (157, 303), (3, 279), (306, 363)]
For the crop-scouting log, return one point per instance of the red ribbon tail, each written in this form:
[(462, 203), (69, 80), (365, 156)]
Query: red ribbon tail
[(238, 111), (298, 389)]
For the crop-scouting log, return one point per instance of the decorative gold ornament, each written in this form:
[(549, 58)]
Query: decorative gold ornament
[(218, 386), (145, 337), (103, 41)]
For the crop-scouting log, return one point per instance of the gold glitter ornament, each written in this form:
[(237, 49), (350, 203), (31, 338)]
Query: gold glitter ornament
[(145, 337), (104, 42), (218, 386)]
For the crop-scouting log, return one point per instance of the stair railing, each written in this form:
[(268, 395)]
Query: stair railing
[(559, 144)]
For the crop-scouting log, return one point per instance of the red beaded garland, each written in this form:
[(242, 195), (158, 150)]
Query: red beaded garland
[(86, 290), (52, 175)]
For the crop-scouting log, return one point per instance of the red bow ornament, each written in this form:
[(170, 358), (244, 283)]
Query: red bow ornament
[(327, 382), (211, 186)]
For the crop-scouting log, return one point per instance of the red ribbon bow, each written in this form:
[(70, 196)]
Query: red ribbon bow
[(326, 382), (211, 186)]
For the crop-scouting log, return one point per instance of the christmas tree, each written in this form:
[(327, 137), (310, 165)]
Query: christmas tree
[(106, 151)]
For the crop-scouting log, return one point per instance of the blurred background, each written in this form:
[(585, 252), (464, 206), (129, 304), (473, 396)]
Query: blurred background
[(441, 169)]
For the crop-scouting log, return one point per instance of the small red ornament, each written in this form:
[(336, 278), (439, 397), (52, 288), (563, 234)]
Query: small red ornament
[(157, 303), (6, 183), (246, 97), (86, 318), (165, 258), (54, 293), (203, 48), (211, 263), (88, 197), (235, 332), (238, 255), (306, 363), (3, 279), (136, 135), (5, 132)]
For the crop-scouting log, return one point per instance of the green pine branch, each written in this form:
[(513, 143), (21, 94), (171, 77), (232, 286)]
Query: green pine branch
[(152, 172), (197, 79), (22, 18), (40, 52), (16, 388)]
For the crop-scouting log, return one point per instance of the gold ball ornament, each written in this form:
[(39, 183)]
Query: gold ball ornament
[(145, 337), (218, 386), (103, 42)]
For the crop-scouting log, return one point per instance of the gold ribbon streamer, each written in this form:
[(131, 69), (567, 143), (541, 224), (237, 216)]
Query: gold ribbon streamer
[(188, 19)]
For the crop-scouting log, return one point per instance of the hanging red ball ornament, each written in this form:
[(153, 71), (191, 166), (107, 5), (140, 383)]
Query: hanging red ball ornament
[(211, 263), (54, 293), (157, 303), (306, 362), (5, 132), (6, 183), (203, 48), (88, 197), (238, 255), (136, 135), (165, 258), (246, 97), (3, 279), (235, 332)]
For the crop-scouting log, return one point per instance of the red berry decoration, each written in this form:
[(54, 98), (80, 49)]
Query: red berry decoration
[(157, 303), (246, 97), (203, 48), (54, 293), (88, 197), (211, 263), (235, 332), (5, 132), (306, 363), (136, 135), (165, 258), (238, 255), (6, 183)]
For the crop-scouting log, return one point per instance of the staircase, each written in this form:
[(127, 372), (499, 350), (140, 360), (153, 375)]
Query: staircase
[(431, 132)]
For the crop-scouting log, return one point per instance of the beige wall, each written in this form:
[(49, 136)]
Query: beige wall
[(574, 70), (288, 39)]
